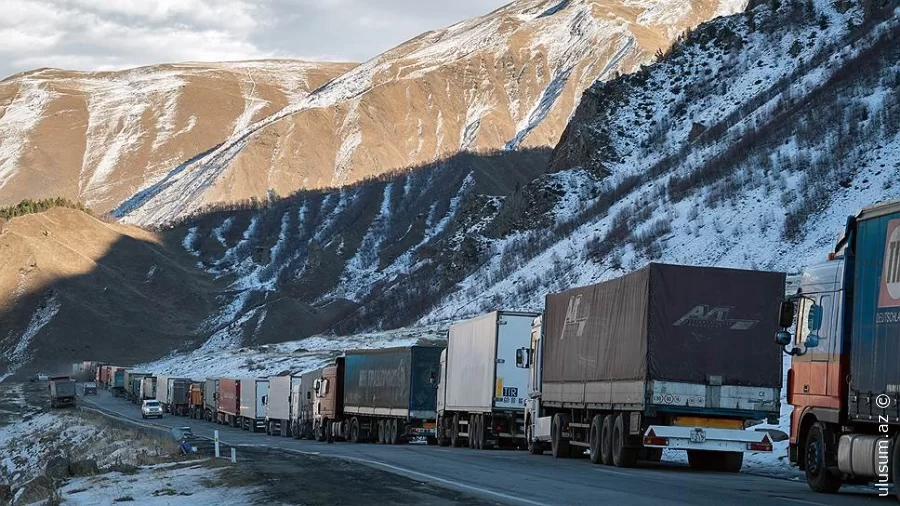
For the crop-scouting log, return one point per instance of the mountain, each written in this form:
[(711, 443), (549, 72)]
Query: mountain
[(747, 144), (100, 137), (127, 143)]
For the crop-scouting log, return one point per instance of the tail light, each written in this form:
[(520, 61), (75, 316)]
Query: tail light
[(764, 446), (651, 439)]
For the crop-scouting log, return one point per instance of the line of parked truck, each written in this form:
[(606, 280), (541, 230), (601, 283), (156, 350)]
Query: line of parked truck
[(668, 356)]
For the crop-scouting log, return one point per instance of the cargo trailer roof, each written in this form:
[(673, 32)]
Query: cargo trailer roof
[(880, 209)]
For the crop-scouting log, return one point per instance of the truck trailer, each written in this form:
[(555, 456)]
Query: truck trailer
[(195, 402), (133, 385), (228, 405), (668, 356), (844, 380), (117, 385), (148, 388), (278, 405), (303, 402), (252, 402), (211, 399), (172, 394), (387, 396), (62, 391), (481, 395)]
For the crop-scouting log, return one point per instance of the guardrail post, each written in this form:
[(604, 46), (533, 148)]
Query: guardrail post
[(216, 434), (233, 455)]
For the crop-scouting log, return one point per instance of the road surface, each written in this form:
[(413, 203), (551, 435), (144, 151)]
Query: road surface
[(517, 478)]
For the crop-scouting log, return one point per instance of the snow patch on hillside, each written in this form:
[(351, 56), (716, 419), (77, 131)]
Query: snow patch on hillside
[(19, 118), (17, 356)]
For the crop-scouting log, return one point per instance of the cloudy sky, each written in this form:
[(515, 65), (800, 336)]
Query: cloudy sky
[(110, 34)]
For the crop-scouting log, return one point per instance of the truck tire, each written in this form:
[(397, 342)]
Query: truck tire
[(443, 432), (354, 431), (455, 438), (392, 432), (559, 446), (470, 430), (534, 447), (606, 430), (819, 459), (595, 439), (477, 432), (621, 454), (382, 437), (320, 431)]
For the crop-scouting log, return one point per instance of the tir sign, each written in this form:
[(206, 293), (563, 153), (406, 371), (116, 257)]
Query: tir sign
[(890, 276)]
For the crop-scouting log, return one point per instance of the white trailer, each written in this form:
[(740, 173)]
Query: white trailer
[(481, 394), (253, 408), (278, 405), (148, 388), (162, 389)]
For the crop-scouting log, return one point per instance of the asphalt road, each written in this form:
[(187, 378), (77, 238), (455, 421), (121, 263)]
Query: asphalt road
[(517, 478)]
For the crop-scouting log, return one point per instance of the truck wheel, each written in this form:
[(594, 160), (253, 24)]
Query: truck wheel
[(477, 432), (392, 432), (443, 432), (354, 430), (470, 430), (606, 431), (622, 456), (455, 438), (559, 446), (380, 429), (595, 438), (819, 457)]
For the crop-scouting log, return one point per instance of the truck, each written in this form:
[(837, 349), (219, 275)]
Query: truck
[(117, 384), (842, 328), (172, 394), (252, 401), (228, 405), (196, 404), (148, 388), (481, 393), (386, 395), (210, 399), (303, 401), (133, 385), (62, 391), (666, 357), (278, 405)]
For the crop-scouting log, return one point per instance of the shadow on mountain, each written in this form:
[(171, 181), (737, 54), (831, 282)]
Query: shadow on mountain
[(315, 262)]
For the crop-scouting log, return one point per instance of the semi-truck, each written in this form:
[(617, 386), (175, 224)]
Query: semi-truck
[(148, 388), (666, 357), (196, 404), (481, 393), (252, 402), (117, 385), (62, 391), (211, 399), (303, 402), (172, 394), (385, 395), (844, 380), (228, 404), (133, 385), (278, 405)]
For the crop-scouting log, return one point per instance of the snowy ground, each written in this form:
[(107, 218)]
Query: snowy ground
[(158, 485), (294, 357)]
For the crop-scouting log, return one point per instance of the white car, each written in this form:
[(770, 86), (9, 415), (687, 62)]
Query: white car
[(151, 409)]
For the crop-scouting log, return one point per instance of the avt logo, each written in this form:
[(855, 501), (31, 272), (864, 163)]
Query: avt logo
[(890, 275), (714, 318), (574, 316)]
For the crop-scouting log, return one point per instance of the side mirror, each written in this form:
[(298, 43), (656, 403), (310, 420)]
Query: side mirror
[(812, 340), (317, 385), (786, 314), (783, 338), (523, 358)]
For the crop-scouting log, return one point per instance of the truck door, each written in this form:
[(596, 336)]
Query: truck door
[(811, 376), (511, 389)]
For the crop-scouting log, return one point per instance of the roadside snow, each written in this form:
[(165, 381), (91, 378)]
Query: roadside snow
[(157, 486)]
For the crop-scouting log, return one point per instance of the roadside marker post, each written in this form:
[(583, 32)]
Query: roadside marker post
[(233, 455), (216, 436)]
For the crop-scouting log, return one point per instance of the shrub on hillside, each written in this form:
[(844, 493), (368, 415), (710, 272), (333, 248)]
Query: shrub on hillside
[(29, 206)]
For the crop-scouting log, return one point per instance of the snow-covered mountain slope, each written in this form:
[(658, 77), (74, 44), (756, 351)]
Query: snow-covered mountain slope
[(101, 137), (508, 79), (748, 146)]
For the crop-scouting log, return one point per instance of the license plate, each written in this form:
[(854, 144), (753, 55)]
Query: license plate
[(698, 436)]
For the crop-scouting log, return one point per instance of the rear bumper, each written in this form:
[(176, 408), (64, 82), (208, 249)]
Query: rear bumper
[(706, 439)]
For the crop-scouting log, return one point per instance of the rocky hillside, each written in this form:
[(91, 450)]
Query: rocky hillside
[(100, 137), (508, 79)]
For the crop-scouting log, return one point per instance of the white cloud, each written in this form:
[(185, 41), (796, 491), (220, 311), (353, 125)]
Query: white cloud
[(103, 35)]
